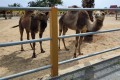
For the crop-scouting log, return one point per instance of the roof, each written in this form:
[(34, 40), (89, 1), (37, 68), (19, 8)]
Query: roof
[(113, 6)]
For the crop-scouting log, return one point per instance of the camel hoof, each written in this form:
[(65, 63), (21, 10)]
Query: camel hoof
[(59, 49), (33, 56), (80, 53), (22, 50), (67, 49), (42, 51), (74, 56)]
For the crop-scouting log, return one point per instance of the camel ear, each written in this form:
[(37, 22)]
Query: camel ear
[(46, 13), (103, 13), (93, 12)]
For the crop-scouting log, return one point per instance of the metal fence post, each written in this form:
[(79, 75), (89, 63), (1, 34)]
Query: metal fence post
[(54, 42)]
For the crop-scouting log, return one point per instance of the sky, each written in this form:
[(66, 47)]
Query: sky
[(66, 3)]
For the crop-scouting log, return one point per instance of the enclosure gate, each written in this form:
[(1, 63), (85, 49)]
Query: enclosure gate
[(53, 40)]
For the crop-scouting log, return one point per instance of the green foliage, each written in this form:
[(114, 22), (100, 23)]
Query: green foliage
[(14, 5), (88, 3), (44, 3)]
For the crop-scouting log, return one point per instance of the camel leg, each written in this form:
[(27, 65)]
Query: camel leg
[(65, 29), (79, 46), (76, 44), (81, 40), (33, 37), (5, 15), (60, 31), (21, 37), (40, 35), (28, 38)]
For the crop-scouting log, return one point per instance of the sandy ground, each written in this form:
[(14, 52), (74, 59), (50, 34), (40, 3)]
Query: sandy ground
[(12, 60)]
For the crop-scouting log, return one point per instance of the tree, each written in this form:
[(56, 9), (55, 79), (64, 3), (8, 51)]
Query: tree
[(44, 3), (14, 5), (88, 4), (10, 13)]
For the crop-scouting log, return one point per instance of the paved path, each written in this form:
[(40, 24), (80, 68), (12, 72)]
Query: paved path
[(105, 70)]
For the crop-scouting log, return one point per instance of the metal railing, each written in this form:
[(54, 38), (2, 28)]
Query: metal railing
[(59, 37), (53, 40), (60, 9), (60, 63), (23, 42)]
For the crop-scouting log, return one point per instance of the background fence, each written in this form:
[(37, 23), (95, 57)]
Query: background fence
[(53, 40)]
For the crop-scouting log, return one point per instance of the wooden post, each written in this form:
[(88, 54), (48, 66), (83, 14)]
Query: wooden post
[(54, 41), (116, 15)]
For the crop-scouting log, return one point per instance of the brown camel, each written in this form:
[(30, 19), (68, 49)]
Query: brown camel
[(38, 24), (80, 22), (33, 21)]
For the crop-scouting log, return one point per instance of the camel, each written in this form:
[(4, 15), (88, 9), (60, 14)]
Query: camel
[(80, 22), (5, 14), (38, 24), (33, 21)]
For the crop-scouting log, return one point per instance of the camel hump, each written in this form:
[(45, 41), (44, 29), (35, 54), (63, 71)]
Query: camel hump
[(74, 6), (62, 17), (61, 22), (82, 19)]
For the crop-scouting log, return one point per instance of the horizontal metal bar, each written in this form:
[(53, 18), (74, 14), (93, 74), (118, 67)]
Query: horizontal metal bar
[(90, 9), (25, 72), (26, 8), (48, 8), (23, 42), (60, 37), (111, 60), (88, 33), (89, 55)]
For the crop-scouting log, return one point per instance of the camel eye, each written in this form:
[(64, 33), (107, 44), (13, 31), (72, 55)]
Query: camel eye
[(103, 14), (96, 14)]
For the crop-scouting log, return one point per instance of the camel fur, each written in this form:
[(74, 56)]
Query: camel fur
[(80, 22)]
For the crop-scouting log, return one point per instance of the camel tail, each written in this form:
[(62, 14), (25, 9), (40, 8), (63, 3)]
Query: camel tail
[(15, 26)]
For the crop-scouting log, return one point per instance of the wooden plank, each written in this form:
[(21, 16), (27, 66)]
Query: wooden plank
[(54, 42)]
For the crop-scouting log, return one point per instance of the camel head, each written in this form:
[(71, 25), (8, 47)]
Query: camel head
[(98, 21), (99, 15), (42, 16)]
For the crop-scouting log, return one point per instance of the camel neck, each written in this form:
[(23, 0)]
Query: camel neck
[(98, 25)]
